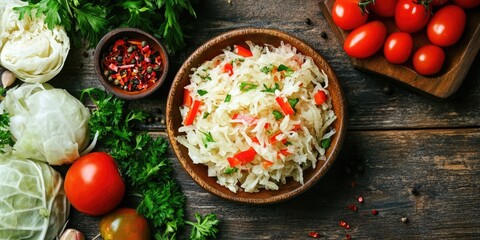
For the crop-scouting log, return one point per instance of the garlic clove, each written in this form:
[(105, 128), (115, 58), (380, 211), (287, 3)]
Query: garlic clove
[(8, 78), (72, 234)]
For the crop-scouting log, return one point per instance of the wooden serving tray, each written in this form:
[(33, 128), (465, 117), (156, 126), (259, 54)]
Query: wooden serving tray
[(459, 57)]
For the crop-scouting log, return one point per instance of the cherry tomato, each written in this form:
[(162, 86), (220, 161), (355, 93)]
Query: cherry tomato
[(467, 3), (398, 47), (439, 3), (384, 8), (348, 15), (428, 59), (124, 224), (411, 16), (93, 184), (447, 25), (365, 40)]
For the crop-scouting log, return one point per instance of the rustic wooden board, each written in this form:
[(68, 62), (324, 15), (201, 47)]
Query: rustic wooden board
[(385, 165), (459, 57)]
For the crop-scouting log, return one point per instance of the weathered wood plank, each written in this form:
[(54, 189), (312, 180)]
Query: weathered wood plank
[(443, 165)]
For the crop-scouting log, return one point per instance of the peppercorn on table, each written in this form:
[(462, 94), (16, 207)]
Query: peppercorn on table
[(408, 169)]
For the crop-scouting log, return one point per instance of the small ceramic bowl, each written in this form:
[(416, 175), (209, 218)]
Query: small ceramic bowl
[(213, 48), (105, 46)]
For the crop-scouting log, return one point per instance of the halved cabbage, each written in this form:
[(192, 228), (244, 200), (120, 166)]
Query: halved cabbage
[(28, 48), (33, 204), (47, 124)]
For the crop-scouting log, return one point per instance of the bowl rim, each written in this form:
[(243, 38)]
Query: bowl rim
[(115, 34), (336, 144)]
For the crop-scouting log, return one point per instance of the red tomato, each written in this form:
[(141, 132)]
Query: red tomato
[(467, 3), (439, 3), (348, 15), (428, 59), (93, 184), (398, 47), (447, 25), (365, 40), (124, 224), (411, 16), (384, 8)]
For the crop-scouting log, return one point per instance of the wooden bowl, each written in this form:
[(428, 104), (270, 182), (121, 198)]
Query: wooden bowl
[(213, 48), (131, 33)]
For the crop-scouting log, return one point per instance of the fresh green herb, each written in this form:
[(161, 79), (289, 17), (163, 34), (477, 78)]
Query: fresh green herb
[(326, 143), (288, 71), (293, 102), (202, 92), (272, 89), (230, 170), (246, 86), (205, 115), (3, 91), (278, 115), (142, 161), (206, 77), (267, 69), (228, 98), (287, 143), (6, 137), (208, 138), (237, 60), (90, 20), (204, 228)]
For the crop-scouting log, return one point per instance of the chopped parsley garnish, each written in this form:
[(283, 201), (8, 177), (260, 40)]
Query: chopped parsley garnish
[(246, 86), (208, 138), (325, 143), (278, 115), (272, 89), (293, 102), (288, 71), (228, 98), (267, 69), (230, 170), (202, 92), (205, 115)]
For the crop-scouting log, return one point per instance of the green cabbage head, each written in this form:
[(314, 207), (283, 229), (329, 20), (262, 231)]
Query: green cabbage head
[(47, 124), (33, 204)]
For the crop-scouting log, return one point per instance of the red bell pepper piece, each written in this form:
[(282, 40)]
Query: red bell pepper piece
[(228, 68), (187, 98), (285, 106), (266, 164), (320, 97), (192, 113), (273, 138), (242, 51), (242, 157)]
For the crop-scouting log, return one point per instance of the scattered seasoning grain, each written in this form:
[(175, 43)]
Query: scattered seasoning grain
[(354, 184), (157, 119), (85, 54), (324, 35), (308, 21), (404, 219), (374, 212), (360, 199), (344, 224), (352, 207), (314, 234), (162, 121)]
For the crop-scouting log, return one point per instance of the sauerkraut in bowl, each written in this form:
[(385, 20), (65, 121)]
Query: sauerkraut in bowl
[(256, 116)]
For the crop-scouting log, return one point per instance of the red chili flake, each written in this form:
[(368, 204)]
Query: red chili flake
[(314, 234), (344, 224), (374, 212), (354, 184), (360, 199), (352, 207), (348, 237)]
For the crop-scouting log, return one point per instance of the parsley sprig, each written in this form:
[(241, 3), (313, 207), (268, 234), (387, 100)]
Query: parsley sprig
[(142, 161), (90, 20)]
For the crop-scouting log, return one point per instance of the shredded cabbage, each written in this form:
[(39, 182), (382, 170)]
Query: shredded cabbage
[(237, 113), (30, 50), (33, 204), (48, 124)]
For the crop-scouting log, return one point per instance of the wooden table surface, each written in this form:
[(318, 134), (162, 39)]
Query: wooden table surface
[(397, 141)]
